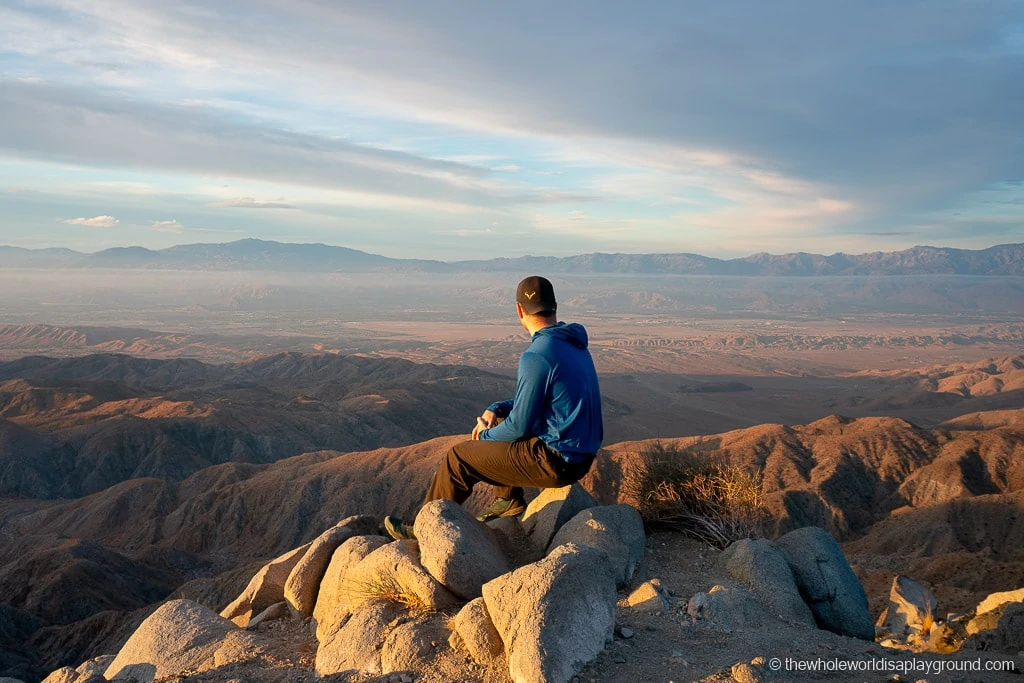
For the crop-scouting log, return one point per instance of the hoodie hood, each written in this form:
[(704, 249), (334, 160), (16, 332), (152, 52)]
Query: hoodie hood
[(573, 333)]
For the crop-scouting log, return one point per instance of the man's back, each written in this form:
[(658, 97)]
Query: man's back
[(558, 397)]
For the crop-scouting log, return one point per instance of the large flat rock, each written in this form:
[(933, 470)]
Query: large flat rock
[(180, 636)]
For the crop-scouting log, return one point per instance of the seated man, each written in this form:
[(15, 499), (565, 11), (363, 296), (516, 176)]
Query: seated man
[(551, 430)]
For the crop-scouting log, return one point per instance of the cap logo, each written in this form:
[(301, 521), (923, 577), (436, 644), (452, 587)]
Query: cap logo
[(529, 295)]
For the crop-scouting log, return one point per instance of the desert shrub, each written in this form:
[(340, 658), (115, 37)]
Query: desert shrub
[(385, 587), (693, 491)]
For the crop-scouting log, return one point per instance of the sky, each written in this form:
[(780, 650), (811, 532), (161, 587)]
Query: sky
[(471, 129)]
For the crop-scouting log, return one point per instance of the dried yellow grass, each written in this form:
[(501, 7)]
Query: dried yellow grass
[(692, 491), (385, 587)]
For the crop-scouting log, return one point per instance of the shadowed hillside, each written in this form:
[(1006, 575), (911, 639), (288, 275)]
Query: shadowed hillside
[(70, 427)]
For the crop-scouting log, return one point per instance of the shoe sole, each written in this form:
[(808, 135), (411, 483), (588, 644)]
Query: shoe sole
[(394, 533), (511, 512)]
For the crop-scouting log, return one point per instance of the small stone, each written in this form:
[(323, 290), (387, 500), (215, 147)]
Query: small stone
[(744, 673), (618, 658), (677, 658), (626, 632), (649, 597)]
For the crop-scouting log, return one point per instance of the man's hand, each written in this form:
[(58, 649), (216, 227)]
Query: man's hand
[(485, 421)]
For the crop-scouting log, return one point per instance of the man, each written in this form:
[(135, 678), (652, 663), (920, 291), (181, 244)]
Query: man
[(545, 437)]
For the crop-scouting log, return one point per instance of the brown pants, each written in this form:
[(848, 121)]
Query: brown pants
[(507, 466)]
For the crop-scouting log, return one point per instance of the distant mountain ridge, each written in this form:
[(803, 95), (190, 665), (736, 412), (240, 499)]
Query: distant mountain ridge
[(254, 254)]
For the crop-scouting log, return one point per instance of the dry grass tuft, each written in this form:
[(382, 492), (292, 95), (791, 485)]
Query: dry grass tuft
[(692, 491), (385, 587)]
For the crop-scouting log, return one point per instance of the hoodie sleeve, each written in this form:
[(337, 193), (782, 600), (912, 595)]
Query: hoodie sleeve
[(531, 389), (501, 408)]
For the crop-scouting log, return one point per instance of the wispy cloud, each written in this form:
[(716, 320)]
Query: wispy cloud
[(250, 203), (125, 133), (774, 124), (95, 222), (172, 226)]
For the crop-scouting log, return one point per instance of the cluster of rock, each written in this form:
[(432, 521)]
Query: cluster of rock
[(998, 624), (91, 671), (536, 595), (802, 579), (535, 598), (911, 622)]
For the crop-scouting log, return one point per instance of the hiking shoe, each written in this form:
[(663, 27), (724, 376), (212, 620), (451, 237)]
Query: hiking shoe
[(397, 529), (503, 507)]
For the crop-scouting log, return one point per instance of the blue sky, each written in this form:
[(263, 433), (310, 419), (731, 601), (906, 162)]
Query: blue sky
[(463, 129)]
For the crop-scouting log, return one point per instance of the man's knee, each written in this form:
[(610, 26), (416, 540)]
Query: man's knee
[(451, 460)]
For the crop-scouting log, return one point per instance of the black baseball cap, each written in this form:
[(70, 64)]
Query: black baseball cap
[(536, 295)]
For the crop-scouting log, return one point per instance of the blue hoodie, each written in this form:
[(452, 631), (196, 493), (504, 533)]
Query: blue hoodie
[(557, 395)]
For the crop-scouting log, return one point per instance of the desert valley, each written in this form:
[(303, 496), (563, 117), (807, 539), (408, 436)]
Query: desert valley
[(167, 426)]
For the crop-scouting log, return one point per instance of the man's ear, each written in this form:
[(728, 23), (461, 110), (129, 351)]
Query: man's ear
[(519, 310)]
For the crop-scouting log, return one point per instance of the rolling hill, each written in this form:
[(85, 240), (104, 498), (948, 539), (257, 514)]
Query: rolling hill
[(74, 426)]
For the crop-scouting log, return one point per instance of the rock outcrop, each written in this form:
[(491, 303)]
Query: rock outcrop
[(616, 530), (355, 644), (827, 583), (650, 597), (96, 666), (911, 610), (265, 589), (730, 608), (458, 551), (996, 600), (394, 572), (1007, 636), (552, 508), (413, 644), (65, 674), (279, 610), (303, 583), (473, 628), (181, 635), (332, 600), (762, 566), (554, 615)]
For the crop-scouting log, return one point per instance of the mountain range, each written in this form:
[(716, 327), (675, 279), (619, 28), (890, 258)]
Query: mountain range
[(261, 255)]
